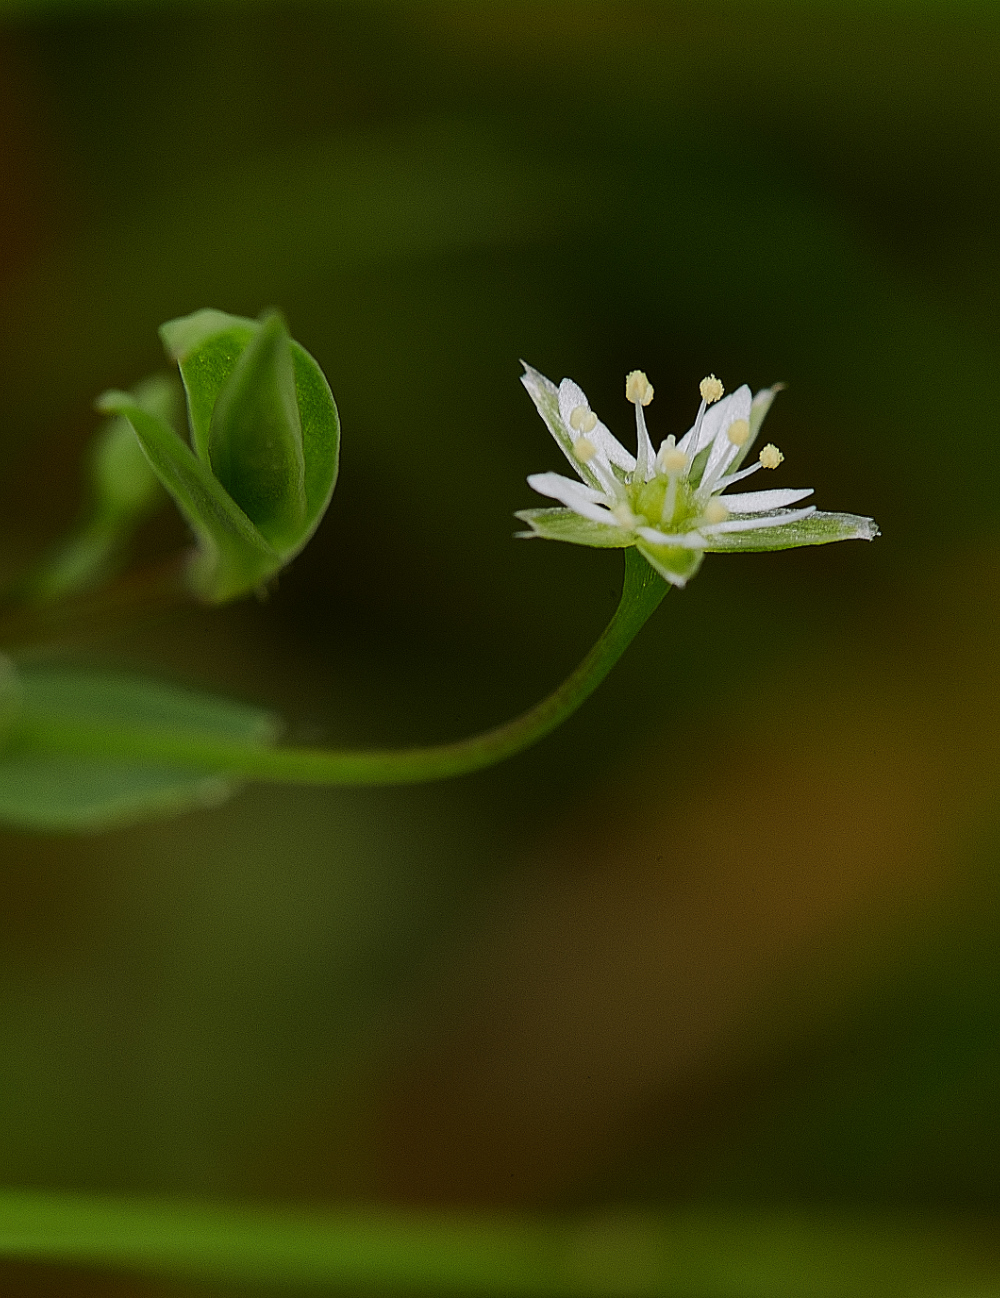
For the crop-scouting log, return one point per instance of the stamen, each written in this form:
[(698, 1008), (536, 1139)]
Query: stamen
[(711, 389), (582, 420), (715, 512), (624, 517), (670, 459), (584, 449), (739, 432), (638, 388), (770, 457)]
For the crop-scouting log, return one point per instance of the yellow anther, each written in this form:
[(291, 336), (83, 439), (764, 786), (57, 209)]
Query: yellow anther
[(582, 420), (770, 456), (711, 389), (670, 459), (715, 512), (584, 449), (638, 388), (739, 432)]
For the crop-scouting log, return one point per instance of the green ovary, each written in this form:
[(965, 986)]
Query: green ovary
[(648, 500)]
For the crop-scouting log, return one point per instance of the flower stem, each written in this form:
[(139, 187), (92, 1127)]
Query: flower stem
[(642, 591)]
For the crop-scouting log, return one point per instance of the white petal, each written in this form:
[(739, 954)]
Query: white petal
[(754, 502), (572, 395), (582, 500), (684, 540), (765, 520)]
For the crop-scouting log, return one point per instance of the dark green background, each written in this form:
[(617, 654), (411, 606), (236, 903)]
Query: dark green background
[(732, 934)]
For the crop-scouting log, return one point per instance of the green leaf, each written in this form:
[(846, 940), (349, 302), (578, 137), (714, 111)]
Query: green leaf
[(565, 525), (233, 557), (240, 376), (817, 529), (57, 793), (122, 490), (255, 436)]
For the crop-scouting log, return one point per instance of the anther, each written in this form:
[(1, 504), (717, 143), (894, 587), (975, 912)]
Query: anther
[(638, 388), (739, 432), (711, 389), (770, 457), (584, 449), (715, 512), (670, 459), (582, 420)]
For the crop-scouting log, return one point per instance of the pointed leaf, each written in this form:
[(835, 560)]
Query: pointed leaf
[(206, 347), (63, 794), (123, 490), (233, 556), (255, 436)]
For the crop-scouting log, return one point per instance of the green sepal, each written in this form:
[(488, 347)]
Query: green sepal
[(675, 563), (232, 557), (816, 529), (566, 525), (58, 793)]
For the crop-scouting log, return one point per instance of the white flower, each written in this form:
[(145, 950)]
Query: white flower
[(669, 503)]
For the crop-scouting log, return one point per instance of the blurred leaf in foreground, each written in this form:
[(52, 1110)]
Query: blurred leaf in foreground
[(69, 793)]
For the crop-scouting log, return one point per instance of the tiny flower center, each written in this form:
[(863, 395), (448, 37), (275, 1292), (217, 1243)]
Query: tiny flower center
[(770, 456), (638, 388), (715, 512), (739, 432), (584, 449), (582, 420), (711, 389)]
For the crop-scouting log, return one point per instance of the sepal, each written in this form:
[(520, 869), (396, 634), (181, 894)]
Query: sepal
[(567, 525), (817, 529)]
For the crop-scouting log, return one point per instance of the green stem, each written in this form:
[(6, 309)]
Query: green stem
[(642, 591)]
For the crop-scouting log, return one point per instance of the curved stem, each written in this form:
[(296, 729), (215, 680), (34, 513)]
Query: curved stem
[(642, 591)]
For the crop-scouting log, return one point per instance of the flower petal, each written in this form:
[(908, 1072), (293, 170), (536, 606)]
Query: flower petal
[(572, 395), (582, 500), (755, 502), (719, 416), (545, 395), (723, 452), (567, 525), (682, 540), (753, 522), (815, 528)]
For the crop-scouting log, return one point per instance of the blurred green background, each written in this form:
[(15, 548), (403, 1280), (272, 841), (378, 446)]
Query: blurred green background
[(730, 937)]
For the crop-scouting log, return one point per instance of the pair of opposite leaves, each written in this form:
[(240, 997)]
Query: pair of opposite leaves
[(265, 436)]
